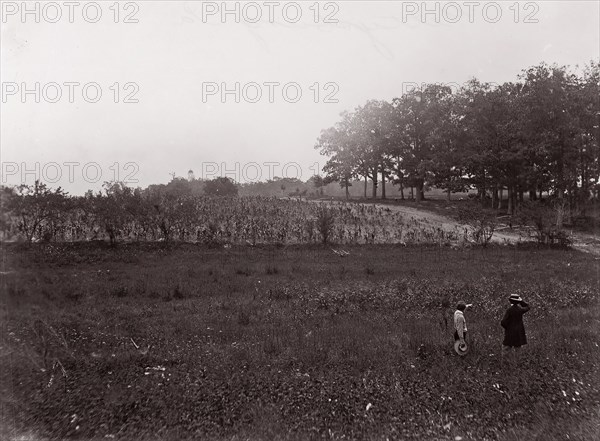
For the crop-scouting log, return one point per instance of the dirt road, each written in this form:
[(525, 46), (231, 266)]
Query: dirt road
[(586, 242)]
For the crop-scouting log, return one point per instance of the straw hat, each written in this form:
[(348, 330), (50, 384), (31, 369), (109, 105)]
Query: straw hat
[(515, 298), (461, 348)]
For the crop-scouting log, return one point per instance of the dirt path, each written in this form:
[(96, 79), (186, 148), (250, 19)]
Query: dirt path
[(585, 242), (447, 223)]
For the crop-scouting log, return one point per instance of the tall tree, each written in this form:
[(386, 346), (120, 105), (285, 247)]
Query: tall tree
[(418, 116), (549, 97)]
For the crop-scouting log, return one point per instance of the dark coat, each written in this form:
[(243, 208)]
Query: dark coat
[(514, 330)]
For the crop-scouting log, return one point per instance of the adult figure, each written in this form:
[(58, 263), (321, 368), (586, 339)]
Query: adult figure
[(512, 322)]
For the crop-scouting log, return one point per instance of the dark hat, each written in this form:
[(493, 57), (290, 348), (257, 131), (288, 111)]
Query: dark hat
[(515, 298), (461, 348), (462, 305)]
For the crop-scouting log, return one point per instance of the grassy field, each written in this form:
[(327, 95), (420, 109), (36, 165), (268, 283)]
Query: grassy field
[(149, 341)]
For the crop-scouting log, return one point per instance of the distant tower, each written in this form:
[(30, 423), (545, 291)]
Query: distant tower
[(191, 176)]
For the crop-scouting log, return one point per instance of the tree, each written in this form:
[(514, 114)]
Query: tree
[(539, 134), (36, 206), (359, 145), (373, 131), (495, 153), (341, 166), (447, 164), (116, 210), (419, 116), (550, 99), (221, 186), (587, 142), (179, 187), (318, 182)]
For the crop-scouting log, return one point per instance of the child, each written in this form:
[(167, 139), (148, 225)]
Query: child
[(460, 324)]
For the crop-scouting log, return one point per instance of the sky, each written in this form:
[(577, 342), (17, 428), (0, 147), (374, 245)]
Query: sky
[(138, 91)]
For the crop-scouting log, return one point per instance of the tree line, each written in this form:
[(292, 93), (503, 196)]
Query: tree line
[(175, 212), (537, 134), (42, 213)]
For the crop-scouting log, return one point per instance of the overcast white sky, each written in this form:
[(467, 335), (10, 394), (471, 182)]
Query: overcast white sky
[(373, 50)]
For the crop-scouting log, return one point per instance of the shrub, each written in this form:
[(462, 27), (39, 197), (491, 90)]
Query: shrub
[(325, 223), (481, 222), (547, 223)]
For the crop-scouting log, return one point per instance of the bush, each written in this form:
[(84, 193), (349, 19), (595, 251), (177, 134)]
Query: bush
[(325, 223), (482, 222), (547, 223)]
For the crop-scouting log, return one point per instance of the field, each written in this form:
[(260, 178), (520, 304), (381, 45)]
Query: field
[(174, 341)]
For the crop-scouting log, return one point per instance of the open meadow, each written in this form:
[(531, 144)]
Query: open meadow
[(256, 221), (151, 341)]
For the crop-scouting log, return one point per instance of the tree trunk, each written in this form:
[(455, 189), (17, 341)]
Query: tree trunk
[(448, 192), (585, 189), (401, 190), (483, 189), (365, 186), (382, 183), (500, 196), (420, 184), (412, 193), (560, 215), (347, 190), (532, 195), (374, 179), (495, 197), (521, 195), (509, 211)]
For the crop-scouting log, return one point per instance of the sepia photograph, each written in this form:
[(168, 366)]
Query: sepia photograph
[(300, 220)]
